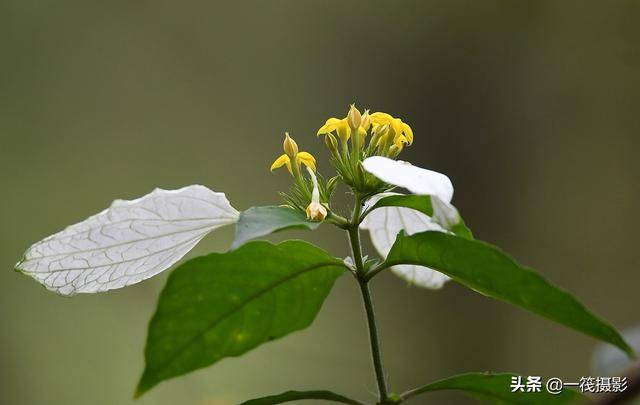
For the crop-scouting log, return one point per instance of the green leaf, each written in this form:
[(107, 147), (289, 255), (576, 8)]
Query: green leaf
[(225, 304), (424, 204), (420, 203), (488, 270), (260, 221), (495, 389), (300, 395)]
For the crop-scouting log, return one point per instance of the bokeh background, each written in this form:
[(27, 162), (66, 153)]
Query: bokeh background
[(531, 107)]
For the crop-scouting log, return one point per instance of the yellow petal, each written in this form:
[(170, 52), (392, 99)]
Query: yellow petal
[(330, 125), (400, 141), (381, 118), (344, 132), (307, 159), (281, 161), (406, 130), (396, 124)]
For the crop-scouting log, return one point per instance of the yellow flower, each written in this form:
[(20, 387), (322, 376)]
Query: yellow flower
[(401, 131), (341, 127), (291, 153), (400, 141), (344, 127), (302, 157)]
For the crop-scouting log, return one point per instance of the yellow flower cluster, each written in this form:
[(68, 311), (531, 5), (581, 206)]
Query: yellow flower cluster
[(386, 130), (346, 138)]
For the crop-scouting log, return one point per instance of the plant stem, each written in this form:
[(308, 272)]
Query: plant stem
[(354, 236), (356, 249), (375, 343)]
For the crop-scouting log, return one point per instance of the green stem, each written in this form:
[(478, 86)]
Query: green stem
[(295, 171), (345, 149), (354, 236), (375, 343), (356, 249)]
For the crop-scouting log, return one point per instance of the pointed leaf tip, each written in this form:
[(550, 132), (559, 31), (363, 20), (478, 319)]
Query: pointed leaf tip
[(495, 388), (487, 269)]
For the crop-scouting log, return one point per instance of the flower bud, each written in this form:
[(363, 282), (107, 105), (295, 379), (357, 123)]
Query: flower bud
[(354, 118), (394, 151), (316, 211), (361, 172), (366, 120), (331, 184), (378, 133), (290, 147), (381, 130), (332, 143)]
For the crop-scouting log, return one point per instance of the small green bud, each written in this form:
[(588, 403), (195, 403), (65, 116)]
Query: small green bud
[(331, 184), (332, 143), (394, 151), (361, 172), (379, 131)]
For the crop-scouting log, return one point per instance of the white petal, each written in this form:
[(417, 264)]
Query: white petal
[(413, 178), (385, 223), (128, 242)]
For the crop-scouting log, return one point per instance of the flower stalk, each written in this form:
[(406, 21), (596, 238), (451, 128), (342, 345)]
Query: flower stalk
[(376, 354), (353, 231)]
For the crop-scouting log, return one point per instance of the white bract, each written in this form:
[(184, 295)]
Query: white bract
[(128, 242), (415, 179), (385, 223)]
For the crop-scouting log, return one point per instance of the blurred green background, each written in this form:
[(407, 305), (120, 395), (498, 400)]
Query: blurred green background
[(531, 107)]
